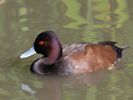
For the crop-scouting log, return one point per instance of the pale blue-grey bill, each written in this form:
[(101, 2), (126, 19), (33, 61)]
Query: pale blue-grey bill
[(28, 53)]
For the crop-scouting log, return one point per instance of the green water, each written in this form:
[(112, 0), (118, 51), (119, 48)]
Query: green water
[(73, 21)]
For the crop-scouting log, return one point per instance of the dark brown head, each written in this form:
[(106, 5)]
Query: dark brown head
[(47, 44)]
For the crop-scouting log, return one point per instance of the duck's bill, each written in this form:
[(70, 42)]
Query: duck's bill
[(28, 53)]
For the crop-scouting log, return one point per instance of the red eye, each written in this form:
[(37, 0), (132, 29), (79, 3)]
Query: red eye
[(41, 43)]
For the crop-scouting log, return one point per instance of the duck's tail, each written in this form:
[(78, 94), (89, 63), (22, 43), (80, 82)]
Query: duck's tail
[(118, 50)]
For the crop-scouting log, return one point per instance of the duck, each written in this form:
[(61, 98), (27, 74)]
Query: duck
[(74, 58)]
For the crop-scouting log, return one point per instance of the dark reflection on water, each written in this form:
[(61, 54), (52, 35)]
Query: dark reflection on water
[(64, 87), (72, 20)]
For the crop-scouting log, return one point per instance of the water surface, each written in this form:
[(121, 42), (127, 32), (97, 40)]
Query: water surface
[(73, 21)]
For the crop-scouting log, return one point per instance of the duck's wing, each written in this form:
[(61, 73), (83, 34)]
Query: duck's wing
[(72, 48)]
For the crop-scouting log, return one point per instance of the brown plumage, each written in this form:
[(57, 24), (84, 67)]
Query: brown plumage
[(86, 57), (92, 58)]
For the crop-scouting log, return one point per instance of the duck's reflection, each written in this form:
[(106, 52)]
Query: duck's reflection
[(72, 87)]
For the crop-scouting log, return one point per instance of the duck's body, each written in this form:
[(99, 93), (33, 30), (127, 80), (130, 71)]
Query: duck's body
[(86, 57), (74, 58)]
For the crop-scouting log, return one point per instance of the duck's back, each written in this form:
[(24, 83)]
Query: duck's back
[(73, 48)]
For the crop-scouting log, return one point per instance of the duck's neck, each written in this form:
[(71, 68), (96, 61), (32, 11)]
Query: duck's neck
[(55, 52)]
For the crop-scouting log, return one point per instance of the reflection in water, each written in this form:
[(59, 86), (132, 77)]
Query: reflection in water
[(64, 87), (106, 20), (73, 12), (121, 12), (89, 20)]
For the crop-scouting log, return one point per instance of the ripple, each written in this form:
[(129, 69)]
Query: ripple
[(13, 74)]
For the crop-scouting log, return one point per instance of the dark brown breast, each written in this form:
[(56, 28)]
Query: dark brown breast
[(88, 57)]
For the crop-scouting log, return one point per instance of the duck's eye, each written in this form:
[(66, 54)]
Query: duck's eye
[(41, 43)]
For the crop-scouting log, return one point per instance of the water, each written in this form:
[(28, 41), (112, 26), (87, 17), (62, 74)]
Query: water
[(73, 21)]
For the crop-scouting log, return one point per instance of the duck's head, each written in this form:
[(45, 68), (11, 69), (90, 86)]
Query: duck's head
[(47, 44)]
